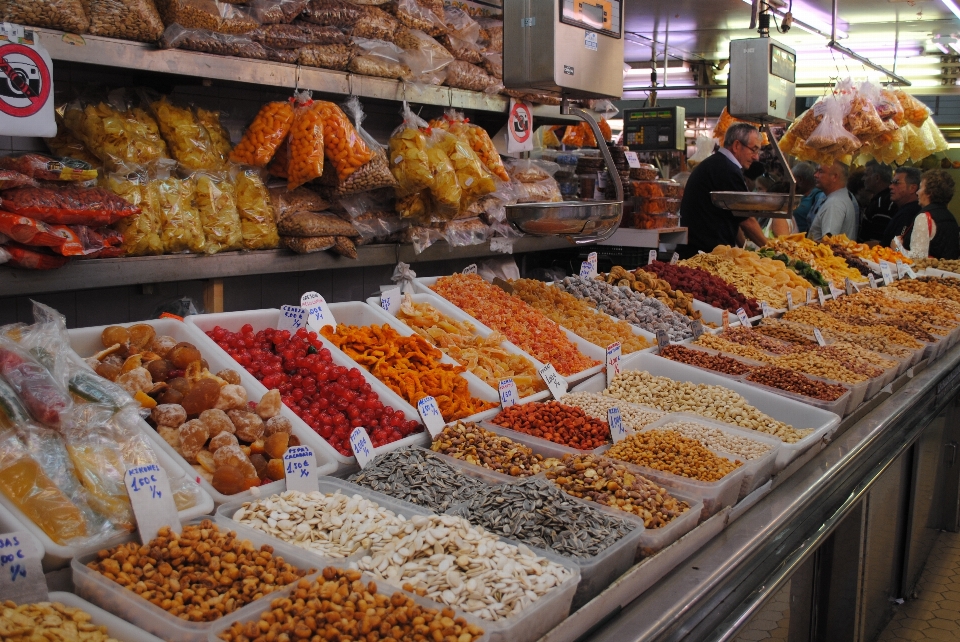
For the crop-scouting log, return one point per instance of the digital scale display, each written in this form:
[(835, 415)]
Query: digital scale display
[(654, 129), (602, 16), (783, 64)]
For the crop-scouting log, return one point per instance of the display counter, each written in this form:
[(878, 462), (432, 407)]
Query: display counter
[(844, 536)]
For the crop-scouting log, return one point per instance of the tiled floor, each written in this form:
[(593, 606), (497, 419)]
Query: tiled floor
[(772, 622), (935, 613)]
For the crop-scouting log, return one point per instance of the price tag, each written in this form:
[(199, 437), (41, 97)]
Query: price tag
[(674, 259), (744, 319), (318, 312), (152, 501), (909, 271), (292, 318), (430, 413), (592, 257), (835, 292), (391, 300), (766, 310), (663, 339), (697, 328), (809, 296), (300, 468), (615, 421), (900, 271), (508, 393), (651, 257), (557, 386), (632, 160), (885, 271), (819, 337), (789, 300), (726, 319), (822, 296), (470, 269), (362, 446), (614, 351), (587, 270), (21, 572), (873, 280), (848, 286)]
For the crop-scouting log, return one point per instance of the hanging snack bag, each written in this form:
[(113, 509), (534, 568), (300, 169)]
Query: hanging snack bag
[(407, 152), (445, 191), (258, 225), (426, 58), (306, 141), (862, 120), (181, 228), (68, 15), (125, 19), (573, 136), (375, 173), (141, 232), (188, 141), (414, 206), (589, 140), (215, 200), (914, 111), (219, 136), (344, 148), (380, 59), (830, 137), (889, 108), (264, 135), (45, 168), (475, 136), (472, 176), (69, 205)]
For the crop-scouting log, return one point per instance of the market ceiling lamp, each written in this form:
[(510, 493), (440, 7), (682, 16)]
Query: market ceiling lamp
[(808, 24), (833, 44)]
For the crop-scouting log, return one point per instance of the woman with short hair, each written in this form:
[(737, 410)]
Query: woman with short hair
[(934, 233)]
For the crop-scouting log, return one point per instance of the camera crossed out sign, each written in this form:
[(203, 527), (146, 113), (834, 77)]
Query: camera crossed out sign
[(520, 127), (26, 84)]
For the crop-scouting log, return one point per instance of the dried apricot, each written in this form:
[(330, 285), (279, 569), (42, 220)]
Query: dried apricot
[(159, 369), (230, 376), (162, 345), (276, 445)]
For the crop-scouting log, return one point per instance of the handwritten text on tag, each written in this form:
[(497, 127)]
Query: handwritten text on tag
[(430, 413), (21, 571), (292, 318), (300, 468), (614, 351), (615, 421), (151, 499), (557, 386), (361, 445), (391, 300), (508, 393)]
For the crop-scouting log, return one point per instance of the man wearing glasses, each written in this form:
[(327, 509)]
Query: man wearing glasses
[(837, 214), (708, 225)]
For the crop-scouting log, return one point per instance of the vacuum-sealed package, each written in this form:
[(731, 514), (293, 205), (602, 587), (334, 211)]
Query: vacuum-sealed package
[(375, 173)]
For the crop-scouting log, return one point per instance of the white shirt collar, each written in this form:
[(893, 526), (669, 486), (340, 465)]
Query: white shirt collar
[(726, 152)]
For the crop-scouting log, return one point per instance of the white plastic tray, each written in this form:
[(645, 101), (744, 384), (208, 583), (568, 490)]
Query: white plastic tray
[(588, 349), (116, 627), (86, 342), (262, 319), (453, 312), (10, 522), (799, 415)]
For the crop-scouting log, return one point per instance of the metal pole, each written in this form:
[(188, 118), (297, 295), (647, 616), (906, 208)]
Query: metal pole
[(786, 168)]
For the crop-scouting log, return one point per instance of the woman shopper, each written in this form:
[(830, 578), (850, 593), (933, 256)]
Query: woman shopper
[(934, 232)]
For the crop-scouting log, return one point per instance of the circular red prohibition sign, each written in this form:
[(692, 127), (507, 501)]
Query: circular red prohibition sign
[(36, 100), (521, 114)]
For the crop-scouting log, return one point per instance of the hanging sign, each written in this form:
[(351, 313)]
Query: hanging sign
[(520, 127), (26, 84)]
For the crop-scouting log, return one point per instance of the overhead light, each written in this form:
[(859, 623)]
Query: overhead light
[(813, 25), (941, 47), (952, 6)]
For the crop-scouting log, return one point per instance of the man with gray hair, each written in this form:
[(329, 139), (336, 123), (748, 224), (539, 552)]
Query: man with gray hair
[(837, 214), (803, 172), (708, 225)]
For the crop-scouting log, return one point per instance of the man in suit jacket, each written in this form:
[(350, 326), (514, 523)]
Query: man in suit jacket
[(709, 225)]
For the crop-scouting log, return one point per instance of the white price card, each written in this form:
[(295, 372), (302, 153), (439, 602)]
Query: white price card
[(300, 469), (849, 286), (586, 270), (909, 272), (318, 312), (835, 292), (873, 280), (822, 296), (652, 256), (556, 384), (615, 421), (632, 161), (508, 393), (292, 318), (152, 501), (766, 310), (361, 445), (391, 300), (470, 269), (614, 351), (900, 269), (697, 328), (430, 413), (744, 319), (592, 257), (789, 300), (885, 271), (674, 259), (810, 296), (819, 336), (21, 571), (663, 339)]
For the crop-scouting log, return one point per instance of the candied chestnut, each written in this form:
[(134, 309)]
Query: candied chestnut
[(230, 376), (109, 371), (114, 334), (260, 464), (141, 335), (159, 369), (201, 396), (169, 395), (162, 345), (183, 354), (179, 384)]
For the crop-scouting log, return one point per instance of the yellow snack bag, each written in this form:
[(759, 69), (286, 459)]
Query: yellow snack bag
[(407, 155), (258, 225), (141, 232), (181, 229), (188, 140), (215, 200), (219, 136)]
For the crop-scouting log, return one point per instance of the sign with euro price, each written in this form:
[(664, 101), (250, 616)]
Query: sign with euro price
[(362, 446), (508, 393), (300, 469), (555, 383), (430, 414), (21, 569), (617, 431), (151, 500), (614, 352)]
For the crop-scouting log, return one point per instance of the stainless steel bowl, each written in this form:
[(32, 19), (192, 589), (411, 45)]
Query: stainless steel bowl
[(762, 203), (584, 221)]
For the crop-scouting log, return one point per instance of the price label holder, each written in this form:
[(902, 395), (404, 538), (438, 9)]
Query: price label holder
[(789, 300), (300, 469), (152, 501), (503, 285), (810, 296), (674, 259), (617, 432), (508, 393), (819, 337), (835, 292), (726, 319), (697, 328), (292, 318), (821, 296), (663, 339), (885, 271), (390, 300), (873, 281), (909, 272), (556, 384), (318, 312), (900, 269), (470, 269), (632, 160), (430, 413), (362, 446), (849, 286), (744, 319), (21, 570), (766, 310), (652, 256), (614, 351)]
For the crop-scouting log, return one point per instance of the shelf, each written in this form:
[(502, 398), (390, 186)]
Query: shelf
[(125, 54), (626, 237), (103, 273)]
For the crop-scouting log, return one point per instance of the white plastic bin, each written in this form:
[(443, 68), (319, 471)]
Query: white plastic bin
[(86, 342), (117, 628), (262, 319)]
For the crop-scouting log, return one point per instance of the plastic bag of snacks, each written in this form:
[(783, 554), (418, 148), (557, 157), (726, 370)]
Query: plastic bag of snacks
[(189, 142), (491, 34), (336, 57), (573, 136), (414, 206), (28, 231), (68, 15), (445, 191), (190, 14), (830, 137), (234, 21), (420, 16), (279, 166), (475, 136), (472, 176), (493, 65), (470, 231), (426, 58), (115, 132), (268, 129), (375, 173), (294, 36), (286, 201), (258, 225), (375, 24), (335, 13), (44, 168), (181, 228), (219, 136), (589, 140), (125, 19), (306, 141), (862, 119), (22, 256), (221, 44), (463, 75), (605, 129), (215, 199), (407, 155), (545, 191), (70, 205), (888, 107), (380, 59), (141, 232), (66, 145), (345, 149), (914, 111), (268, 12)]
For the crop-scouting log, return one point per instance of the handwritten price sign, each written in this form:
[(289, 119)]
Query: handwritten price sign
[(430, 414), (362, 447), (152, 501), (300, 467), (21, 571), (557, 386), (508, 393)]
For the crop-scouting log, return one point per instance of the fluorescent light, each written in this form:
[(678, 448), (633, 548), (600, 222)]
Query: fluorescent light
[(955, 46), (815, 26), (942, 48), (952, 6)]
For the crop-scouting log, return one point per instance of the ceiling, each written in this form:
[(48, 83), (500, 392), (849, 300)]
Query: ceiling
[(897, 34)]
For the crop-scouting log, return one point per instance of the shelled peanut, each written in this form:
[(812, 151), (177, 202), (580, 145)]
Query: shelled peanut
[(932, 287), (49, 622), (747, 337), (476, 445), (813, 363), (785, 331), (818, 318), (720, 440), (556, 422), (670, 452)]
